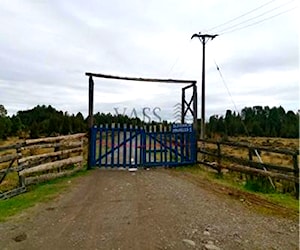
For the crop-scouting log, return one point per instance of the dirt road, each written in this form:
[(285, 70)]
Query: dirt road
[(145, 210)]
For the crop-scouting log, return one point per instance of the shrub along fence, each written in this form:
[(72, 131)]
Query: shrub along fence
[(247, 159), (37, 160)]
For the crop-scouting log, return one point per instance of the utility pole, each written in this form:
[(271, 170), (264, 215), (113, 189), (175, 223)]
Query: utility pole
[(204, 38)]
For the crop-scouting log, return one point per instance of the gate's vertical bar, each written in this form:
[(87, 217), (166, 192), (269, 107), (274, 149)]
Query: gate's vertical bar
[(90, 120), (124, 144), (112, 144), (181, 146), (150, 144), (118, 141), (136, 145), (171, 146), (176, 147), (130, 144), (106, 144), (100, 145), (141, 145), (154, 142), (160, 143), (144, 148), (145, 142), (165, 130), (187, 146)]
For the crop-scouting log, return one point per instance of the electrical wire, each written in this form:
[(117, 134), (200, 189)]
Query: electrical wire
[(236, 27), (245, 14), (243, 124), (229, 93), (260, 15), (258, 22)]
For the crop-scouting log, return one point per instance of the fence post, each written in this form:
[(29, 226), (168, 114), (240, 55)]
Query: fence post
[(296, 173), (250, 153), (90, 120), (21, 177)]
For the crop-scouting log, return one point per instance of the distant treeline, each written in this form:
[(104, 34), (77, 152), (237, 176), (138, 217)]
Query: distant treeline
[(255, 121), (47, 121)]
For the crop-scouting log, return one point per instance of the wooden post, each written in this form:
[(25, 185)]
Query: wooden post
[(21, 178), (195, 108), (250, 154), (182, 105), (195, 118), (296, 173), (250, 150), (90, 119)]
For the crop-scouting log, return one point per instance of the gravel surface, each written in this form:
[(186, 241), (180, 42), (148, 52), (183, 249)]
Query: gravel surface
[(111, 209)]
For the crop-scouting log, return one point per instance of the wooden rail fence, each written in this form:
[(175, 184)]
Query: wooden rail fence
[(37, 160), (248, 165)]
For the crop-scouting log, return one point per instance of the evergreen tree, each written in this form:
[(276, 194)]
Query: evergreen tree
[(5, 123)]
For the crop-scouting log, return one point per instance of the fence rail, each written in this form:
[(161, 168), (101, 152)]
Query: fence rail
[(36, 160), (222, 160)]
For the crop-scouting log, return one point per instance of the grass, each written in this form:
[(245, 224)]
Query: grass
[(267, 157), (11, 181), (38, 193), (10, 140), (234, 181)]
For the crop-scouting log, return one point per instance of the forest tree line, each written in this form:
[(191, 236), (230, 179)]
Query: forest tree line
[(47, 121), (255, 121)]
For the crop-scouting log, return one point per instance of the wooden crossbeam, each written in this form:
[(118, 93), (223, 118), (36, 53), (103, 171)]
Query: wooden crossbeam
[(141, 79)]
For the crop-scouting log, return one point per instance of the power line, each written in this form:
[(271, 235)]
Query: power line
[(232, 28), (255, 17), (260, 21), (244, 125), (229, 93), (245, 14)]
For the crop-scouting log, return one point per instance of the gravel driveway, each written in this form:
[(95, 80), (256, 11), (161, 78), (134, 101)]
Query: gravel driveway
[(110, 209)]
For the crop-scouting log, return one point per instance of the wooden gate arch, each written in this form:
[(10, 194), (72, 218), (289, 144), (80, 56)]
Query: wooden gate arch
[(179, 141)]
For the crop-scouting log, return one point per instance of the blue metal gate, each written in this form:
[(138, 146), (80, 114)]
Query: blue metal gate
[(147, 146)]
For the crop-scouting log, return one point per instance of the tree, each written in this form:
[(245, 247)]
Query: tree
[(256, 121), (35, 130), (5, 127), (3, 111), (17, 125), (5, 123), (290, 127)]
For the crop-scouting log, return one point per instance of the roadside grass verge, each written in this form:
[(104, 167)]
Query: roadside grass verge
[(35, 194), (233, 181)]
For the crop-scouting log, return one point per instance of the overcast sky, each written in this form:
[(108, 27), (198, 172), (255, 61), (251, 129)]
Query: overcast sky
[(47, 46)]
